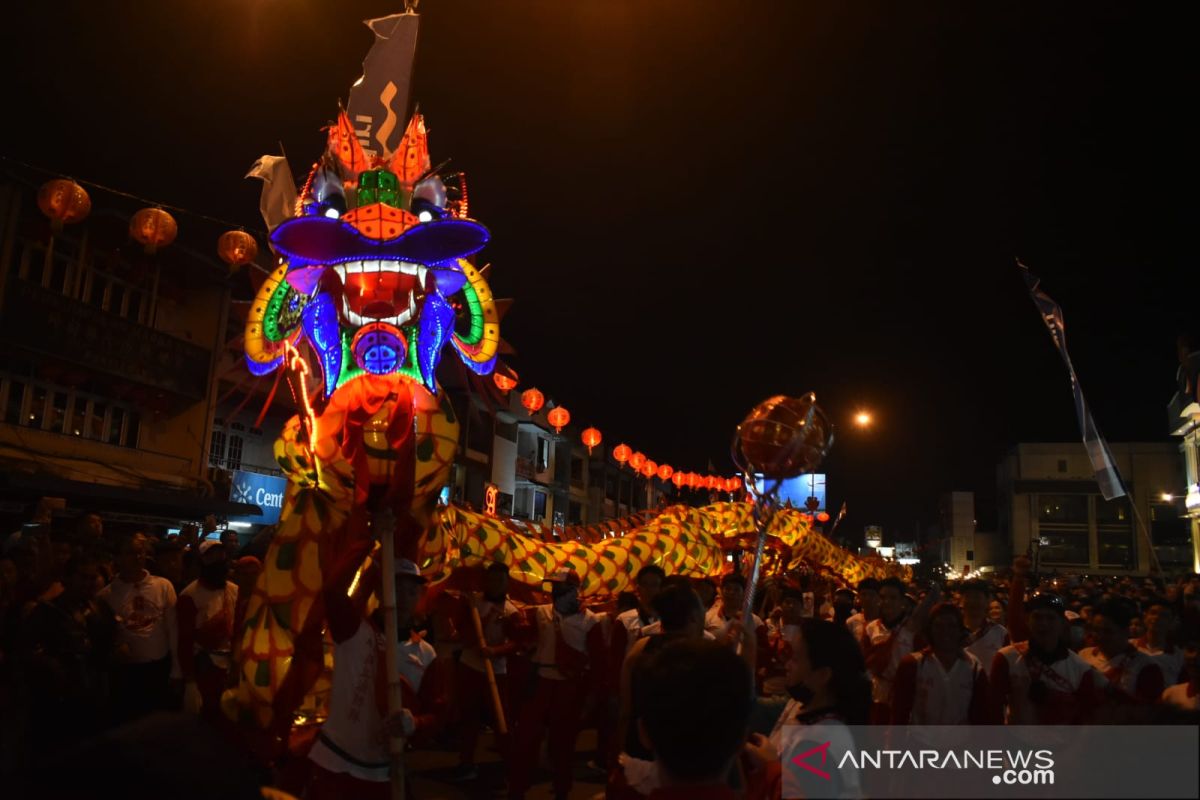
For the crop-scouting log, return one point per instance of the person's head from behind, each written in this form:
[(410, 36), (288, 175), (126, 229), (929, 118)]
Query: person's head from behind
[(945, 629), (495, 582), (825, 669), (976, 597), (168, 559), (696, 698), (707, 590), (733, 592), (1047, 620), (1109, 626), (564, 592), (868, 597), (892, 603), (678, 606), (843, 602), (649, 582), (131, 554)]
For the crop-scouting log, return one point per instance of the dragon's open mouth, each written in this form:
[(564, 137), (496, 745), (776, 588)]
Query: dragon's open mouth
[(381, 291)]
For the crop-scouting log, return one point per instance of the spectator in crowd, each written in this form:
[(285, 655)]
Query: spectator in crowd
[(943, 684), (1127, 669), (997, 612), (207, 608), (168, 562), (695, 743), (843, 605), (1186, 695), (144, 606), (890, 638), (1040, 681), (571, 667), (631, 624), (984, 637), (501, 623), (65, 648), (1157, 641), (89, 530), (830, 690), (868, 601), (782, 628)]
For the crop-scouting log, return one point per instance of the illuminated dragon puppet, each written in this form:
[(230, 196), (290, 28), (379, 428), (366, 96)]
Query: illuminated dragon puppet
[(373, 286)]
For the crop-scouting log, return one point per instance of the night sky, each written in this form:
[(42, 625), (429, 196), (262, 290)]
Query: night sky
[(697, 205)]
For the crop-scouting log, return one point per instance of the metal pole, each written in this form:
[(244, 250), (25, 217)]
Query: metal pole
[(385, 528)]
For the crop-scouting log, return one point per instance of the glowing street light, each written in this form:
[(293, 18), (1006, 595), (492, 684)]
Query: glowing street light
[(863, 419)]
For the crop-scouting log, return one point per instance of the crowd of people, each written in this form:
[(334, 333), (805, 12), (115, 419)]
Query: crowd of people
[(102, 630)]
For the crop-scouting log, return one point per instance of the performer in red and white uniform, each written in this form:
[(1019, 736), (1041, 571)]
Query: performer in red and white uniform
[(943, 684), (984, 637), (570, 660), (1128, 669), (633, 624), (868, 603), (1040, 681), (725, 611), (350, 755), (889, 639), (206, 611), (502, 626)]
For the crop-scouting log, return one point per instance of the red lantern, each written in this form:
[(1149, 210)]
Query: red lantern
[(533, 400), (710, 482), (236, 248), (591, 437), (503, 382), (823, 516), (693, 480), (153, 228), (665, 472), (636, 460), (622, 453), (64, 202), (679, 479), (649, 469), (558, 417)]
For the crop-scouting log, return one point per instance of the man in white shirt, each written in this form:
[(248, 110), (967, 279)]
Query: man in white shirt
[(868, 601), (984, 637), (1128, 669), (206, 611), (144, 606), (1160, 619), (889, 639), (727, 610), (631, 624)]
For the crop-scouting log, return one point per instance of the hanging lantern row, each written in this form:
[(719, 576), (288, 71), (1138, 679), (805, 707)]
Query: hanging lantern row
[(624, 454), (65, 202)]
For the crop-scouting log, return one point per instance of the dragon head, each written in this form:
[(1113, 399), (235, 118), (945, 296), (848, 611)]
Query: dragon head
[(374, 271)]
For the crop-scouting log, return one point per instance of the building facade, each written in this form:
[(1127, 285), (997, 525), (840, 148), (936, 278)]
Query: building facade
[(1051, 507), (107, 355), (1183, 420)]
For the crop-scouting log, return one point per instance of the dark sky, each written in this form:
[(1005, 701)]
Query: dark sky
[(701, 204)]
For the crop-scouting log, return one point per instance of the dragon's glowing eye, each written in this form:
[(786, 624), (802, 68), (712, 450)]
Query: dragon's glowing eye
[(332, 213), (425, 216)]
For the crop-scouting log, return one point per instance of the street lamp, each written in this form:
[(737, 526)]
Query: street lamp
[(863, 419)]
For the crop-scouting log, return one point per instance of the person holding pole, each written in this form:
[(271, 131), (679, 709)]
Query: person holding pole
[(351, 757), (482, 668)]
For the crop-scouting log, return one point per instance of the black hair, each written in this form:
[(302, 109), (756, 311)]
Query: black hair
[(651, 569), (868, 585), (675, 605), (1119, 611), (846, 590), (832, 645), (734, 577), (679, 580), (944, 608), (696, 698), (895, 583), (497, 566)]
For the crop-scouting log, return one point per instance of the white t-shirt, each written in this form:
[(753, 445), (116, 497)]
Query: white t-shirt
[(831, 735), (941, 696), (145, 612), (635, 627), (986, 642), (716, 623), (209, 603), (1171, 661), (575, 629)]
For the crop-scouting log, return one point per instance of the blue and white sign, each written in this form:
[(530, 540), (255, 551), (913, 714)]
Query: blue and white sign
[(264, 491)]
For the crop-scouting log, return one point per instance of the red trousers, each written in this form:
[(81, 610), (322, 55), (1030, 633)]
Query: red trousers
[(555, 705), (474, 705)]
